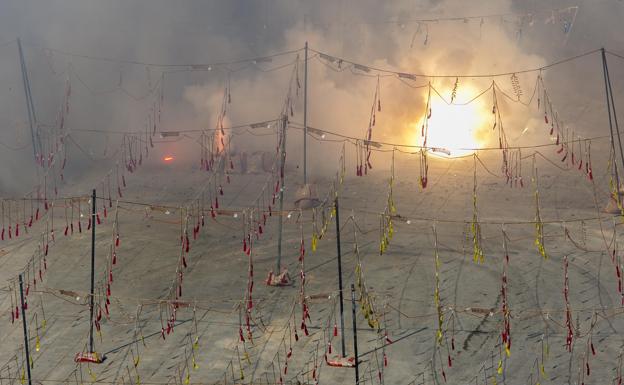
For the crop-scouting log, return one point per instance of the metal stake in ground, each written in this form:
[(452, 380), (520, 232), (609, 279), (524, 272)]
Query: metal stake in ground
[(25, 329), (342, 335), (91, 356), (280, 219), (355, 351), (92, 292)]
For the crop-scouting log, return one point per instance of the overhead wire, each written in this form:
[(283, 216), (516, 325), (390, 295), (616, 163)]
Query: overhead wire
[(401, 20), (323, 55), (615, 54), (299, 126), (164, 65)]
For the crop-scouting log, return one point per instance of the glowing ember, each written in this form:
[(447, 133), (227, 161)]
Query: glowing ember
[(455, 129), (168, 158)]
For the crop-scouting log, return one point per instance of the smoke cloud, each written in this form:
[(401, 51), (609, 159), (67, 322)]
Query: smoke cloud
[(115, 95)]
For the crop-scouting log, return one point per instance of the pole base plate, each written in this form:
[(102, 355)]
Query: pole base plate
[(90, 357), (340, 362), (282, 279)]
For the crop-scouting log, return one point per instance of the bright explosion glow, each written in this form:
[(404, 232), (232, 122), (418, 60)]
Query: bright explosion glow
[(454, 128), (168, 158)]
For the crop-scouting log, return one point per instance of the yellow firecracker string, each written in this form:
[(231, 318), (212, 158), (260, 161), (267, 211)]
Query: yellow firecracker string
[(436, 291), (475, 228), (314, 240), (366, 301), (539, 226)]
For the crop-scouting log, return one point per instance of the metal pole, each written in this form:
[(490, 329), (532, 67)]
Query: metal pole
[(91, 298), (605, 74), (25, 329), (355, 351), (305, 118), (615, 120), (281, 193), (29, 106), (342, 335)]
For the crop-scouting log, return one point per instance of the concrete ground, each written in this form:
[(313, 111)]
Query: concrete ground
[(401, 281)]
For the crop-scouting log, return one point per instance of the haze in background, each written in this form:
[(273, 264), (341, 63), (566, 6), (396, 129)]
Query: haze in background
[(112, 96)]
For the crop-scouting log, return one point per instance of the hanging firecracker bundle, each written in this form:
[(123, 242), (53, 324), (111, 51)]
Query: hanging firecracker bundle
[(475, 226), (539, 225)]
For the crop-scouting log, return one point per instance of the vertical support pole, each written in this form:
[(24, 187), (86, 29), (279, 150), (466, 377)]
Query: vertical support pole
[(92, 292), (342, 335), (355, 350), (609, 97), (25, 329), (29, 103), (609, 91), (281, 193), (305, 118)]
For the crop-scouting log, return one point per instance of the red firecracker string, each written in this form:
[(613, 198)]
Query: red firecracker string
[(569, 326)]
